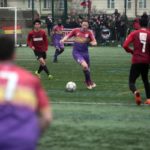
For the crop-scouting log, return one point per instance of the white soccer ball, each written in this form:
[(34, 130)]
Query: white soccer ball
[(71, 86)]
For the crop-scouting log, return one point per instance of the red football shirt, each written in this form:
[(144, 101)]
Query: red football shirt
[(38, 39), (141, 46), (58, 29), (21, 88), (81, 36)]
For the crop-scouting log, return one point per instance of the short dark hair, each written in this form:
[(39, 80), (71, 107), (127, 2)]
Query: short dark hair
[(7, 47), (143, 22), (36, 21)]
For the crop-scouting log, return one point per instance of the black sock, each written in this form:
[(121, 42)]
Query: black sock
[(61, 50), (46, 69), (40, 69), (56, 53), (87, 75)]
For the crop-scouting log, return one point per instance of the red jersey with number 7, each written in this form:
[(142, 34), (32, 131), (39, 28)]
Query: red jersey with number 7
[(141, 46)]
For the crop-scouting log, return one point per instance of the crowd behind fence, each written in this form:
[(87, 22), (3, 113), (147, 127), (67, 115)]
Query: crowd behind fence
[(108, 28)]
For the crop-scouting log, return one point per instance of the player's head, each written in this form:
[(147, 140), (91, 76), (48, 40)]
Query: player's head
[(85, 24), (37, 23), (7, 48), (143, 22)]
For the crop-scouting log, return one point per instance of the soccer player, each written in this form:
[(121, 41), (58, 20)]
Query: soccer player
[(82, 37), (24, 107), (140, 59), (38, 42), (57, 35)]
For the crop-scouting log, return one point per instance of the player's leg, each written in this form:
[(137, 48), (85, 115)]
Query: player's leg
[(85, 67), (134, 74), (42, 61), (37, 72), (59, 49), (144, 73)]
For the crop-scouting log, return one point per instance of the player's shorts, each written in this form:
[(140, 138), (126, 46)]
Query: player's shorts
[(80, 57), (58, 45), (40, 54)]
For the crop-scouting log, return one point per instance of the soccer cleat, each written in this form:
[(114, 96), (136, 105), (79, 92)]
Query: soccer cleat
[(50, 77), (137, 97), (147, 102), (88, 85), (55, 60), (37, 74), (93, 85)]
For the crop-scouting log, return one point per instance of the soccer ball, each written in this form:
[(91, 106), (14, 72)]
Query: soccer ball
[(71, 86)]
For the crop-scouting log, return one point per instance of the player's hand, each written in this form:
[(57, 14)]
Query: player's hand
[(93, 43), (62, 41)]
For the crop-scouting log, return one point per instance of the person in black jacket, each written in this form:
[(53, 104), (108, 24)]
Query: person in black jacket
[(49, 24)]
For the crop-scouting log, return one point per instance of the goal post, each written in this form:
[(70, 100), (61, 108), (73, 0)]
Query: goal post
[(12, 27)]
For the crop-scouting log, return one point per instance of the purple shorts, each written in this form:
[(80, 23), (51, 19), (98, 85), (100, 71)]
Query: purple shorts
[(56, 42), (80, 57)]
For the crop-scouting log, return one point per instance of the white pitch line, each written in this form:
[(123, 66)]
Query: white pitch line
[(88, 103)]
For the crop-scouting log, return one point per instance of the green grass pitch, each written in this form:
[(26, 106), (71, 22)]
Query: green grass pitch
[(105, 118)]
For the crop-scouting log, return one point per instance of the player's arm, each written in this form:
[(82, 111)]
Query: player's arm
[(45, 40), (127, 43), (29, 41), (44, 108), (93, 41), (71, 34)]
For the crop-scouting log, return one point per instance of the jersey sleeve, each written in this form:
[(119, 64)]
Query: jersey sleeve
[(29, 40), (45, 40), (91, 36), (127, 43), (71, 34)]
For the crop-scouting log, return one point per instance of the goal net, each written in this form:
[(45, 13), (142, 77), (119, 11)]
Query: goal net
[(8, 22), (16, 23)]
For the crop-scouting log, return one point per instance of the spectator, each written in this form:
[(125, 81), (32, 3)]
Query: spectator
[(136, 24), (49, 24)]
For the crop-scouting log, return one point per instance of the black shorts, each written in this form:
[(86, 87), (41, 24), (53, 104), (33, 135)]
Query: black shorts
[(138, 69), (40, 54)]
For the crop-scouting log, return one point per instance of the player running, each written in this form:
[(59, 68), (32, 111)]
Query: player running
[(82, 37), (38, 42), (140, 59), (24, 106), (57, 35)]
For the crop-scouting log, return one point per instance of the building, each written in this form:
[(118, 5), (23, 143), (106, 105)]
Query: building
[(44, 7)]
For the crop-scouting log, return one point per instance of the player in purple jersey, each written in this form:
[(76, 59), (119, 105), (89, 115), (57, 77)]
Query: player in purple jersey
[(82, 37), (24, 106), (57, 34)]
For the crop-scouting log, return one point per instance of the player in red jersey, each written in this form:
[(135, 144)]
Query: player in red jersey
[(38, 42), (57, 35), (140, 59), (24, 107), (82, 37)]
